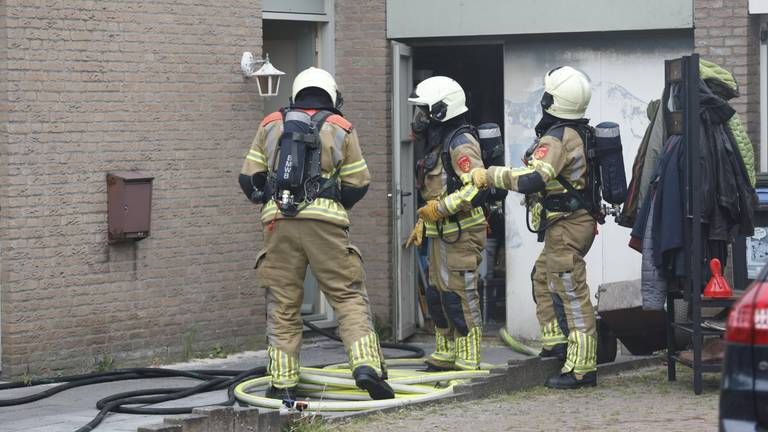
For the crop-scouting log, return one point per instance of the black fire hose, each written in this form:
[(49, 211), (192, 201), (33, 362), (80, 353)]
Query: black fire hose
[(213, 380)]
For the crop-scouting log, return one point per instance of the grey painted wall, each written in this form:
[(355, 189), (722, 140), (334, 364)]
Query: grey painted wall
[(451, 18)]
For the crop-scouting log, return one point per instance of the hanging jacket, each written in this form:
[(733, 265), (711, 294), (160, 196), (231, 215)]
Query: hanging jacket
[(635, 192), (653, 286), (727, 194), (722, 83)]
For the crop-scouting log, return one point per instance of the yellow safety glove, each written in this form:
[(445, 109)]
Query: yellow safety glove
[(430, 212), (416, 235), (480, 177)]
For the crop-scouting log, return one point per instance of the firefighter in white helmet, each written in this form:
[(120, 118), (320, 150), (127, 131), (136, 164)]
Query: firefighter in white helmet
[(453, 220), (555, 180), (306, 167)]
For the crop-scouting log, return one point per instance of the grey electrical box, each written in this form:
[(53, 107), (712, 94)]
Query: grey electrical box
[(129, 205)]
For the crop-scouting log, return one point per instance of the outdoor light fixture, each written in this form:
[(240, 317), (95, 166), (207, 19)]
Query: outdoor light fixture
[(267, 77)]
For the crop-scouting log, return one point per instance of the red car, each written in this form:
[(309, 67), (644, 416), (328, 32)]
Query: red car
[(744, 386)]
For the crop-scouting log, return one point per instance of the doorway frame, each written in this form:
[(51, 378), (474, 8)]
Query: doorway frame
[(395, 168), (325, 47)]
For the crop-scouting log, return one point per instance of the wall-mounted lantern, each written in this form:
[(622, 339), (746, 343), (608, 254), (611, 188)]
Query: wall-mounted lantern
[(267, 77)]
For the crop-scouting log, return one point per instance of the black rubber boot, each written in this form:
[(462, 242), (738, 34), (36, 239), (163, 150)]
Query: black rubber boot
[(435, 368), (568, 381), (438, 366), (367, 379), (557, 351), (281, 393)]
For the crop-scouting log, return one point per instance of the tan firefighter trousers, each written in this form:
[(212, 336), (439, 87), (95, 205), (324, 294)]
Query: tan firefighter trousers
[(291, 246), (561, 270), (453, 300)]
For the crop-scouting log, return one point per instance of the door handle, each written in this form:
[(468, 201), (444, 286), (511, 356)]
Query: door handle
[(402, 203)]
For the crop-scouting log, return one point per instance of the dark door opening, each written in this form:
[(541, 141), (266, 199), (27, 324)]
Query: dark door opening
[(479, 69)]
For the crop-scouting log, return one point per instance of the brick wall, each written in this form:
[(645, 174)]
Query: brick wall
[(363, 74), (153, 86), (726, 34)]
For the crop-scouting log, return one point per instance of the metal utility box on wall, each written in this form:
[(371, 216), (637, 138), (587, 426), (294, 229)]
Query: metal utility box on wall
[(129, 205)]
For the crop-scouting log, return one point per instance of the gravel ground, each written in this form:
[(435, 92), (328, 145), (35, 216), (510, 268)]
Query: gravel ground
[(637, 401)]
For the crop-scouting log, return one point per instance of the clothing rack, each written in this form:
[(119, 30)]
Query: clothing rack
[(683, 74)]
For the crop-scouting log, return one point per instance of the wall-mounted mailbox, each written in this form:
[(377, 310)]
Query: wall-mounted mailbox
[(129, 203)]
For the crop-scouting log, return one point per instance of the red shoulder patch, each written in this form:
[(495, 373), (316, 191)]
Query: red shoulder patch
[(464, 163), (340, 121), (277, 115), (540, 153)]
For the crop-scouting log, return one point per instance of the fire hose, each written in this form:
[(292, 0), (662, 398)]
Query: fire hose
[(317, 385)]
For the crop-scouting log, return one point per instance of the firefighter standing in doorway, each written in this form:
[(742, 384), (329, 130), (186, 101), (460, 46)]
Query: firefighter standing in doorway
[(556, 177), (452, 219), (306, 167)]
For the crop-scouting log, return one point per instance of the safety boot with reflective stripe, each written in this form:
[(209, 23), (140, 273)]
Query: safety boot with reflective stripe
[(468, 349), (283, 368)]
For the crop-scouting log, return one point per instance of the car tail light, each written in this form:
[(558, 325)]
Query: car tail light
[(761, 316), (747, 315)]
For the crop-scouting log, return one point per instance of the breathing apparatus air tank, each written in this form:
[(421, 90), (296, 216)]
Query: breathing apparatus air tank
[(607, 150)]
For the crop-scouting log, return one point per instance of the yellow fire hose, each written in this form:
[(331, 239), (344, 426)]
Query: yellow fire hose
[(515, 344), (336, 383), (332, 388)]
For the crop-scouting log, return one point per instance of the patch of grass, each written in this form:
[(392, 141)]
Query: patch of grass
[(311, 423), (105, 363), (219, 351), (26, 378)]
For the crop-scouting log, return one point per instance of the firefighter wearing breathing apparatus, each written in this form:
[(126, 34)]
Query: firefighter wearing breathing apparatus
[(306, 167), (452, 219), (557, 184)]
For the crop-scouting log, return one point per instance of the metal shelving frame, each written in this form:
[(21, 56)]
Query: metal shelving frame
[(682, 75)]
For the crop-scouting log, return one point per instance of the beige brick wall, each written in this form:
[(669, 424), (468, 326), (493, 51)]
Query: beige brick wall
[(153, 86), (363, 71), (726, 34)]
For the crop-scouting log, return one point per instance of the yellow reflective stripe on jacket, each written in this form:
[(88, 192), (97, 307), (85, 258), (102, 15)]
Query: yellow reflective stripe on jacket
[(257, 157), (555, 186), (321, 209), (352, 168), (476, 218), (500, 173), (544, 168)]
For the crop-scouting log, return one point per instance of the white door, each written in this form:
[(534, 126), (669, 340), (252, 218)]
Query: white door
[(403, 196)]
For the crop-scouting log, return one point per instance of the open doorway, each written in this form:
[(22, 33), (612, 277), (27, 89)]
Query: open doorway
[(479, 69), (294, 46)]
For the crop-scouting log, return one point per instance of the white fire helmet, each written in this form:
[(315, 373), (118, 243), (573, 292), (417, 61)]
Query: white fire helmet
[(315, 77), (566, 93), (443, 98)]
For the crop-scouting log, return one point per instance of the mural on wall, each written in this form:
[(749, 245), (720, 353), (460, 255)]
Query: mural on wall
[(626, 74)]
